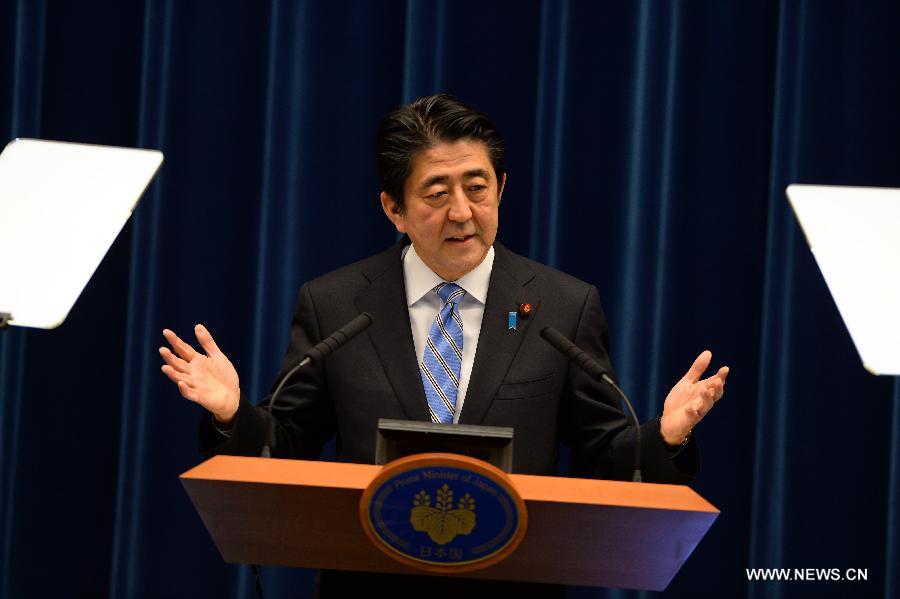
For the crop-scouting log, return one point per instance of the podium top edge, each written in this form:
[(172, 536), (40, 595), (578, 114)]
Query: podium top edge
[(544, 489)]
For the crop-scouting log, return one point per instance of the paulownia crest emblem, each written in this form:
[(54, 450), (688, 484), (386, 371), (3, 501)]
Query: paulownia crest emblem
[(442, 522)]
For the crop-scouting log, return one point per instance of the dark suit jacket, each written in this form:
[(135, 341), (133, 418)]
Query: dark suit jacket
[(518, 379)]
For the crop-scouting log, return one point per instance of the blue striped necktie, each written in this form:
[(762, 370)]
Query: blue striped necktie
[(442, 359)]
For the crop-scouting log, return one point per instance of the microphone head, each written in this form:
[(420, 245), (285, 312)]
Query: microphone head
[(358, 325), (556, 339), (341, 336), (564, 345)]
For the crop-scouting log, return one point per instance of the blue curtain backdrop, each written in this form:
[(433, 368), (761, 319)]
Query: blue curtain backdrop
[(650, 143)]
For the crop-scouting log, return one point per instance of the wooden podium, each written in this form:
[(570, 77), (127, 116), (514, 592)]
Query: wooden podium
[(580, 532)]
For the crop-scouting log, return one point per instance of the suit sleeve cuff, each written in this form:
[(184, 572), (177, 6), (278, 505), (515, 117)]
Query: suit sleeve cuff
[(246, 436), (661, 464)]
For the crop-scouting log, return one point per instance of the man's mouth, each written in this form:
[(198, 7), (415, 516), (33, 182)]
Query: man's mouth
[(460, 238)]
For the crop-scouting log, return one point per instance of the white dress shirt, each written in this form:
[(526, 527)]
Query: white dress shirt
[(424, 305)]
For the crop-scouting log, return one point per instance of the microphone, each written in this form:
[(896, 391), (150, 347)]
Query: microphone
[(595, 370), (317, 353)]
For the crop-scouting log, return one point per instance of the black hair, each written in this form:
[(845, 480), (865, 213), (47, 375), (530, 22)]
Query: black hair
[(424, 123)]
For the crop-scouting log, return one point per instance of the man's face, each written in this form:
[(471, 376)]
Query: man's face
[(452, 196)]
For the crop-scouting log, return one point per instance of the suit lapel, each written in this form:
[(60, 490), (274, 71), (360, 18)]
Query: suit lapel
[(497, 345), (391, 333)]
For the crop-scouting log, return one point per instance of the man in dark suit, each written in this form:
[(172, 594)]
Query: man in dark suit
[(441, 347)]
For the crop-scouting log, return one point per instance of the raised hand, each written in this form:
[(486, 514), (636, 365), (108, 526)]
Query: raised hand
[(691, 399), (208, 379)]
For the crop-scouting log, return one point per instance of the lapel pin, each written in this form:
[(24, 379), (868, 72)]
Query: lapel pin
[(512, 320), (525, 310)]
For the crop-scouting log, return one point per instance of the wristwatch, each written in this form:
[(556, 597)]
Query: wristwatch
[(680, 446)]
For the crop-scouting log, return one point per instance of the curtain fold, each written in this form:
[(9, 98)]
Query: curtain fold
[(424, 48), (649, 147), (892, 530), (23, 68), (549, 129), (133, 489), (772, 420)]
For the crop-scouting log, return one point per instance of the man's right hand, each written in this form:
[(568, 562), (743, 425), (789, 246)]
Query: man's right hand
[(208, 379)]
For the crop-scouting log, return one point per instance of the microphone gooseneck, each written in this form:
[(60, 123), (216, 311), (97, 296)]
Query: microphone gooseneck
[(318, 352), (598, 372)]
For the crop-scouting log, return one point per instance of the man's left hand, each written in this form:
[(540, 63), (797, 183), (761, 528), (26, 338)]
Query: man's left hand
[(690, 400)]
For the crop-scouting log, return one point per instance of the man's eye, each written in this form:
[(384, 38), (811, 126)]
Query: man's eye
[(477, 187), (437, 195)]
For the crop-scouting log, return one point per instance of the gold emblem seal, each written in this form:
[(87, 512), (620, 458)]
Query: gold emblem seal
[(442, 522)]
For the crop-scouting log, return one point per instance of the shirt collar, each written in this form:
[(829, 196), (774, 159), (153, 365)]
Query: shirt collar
[(420, 279)]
